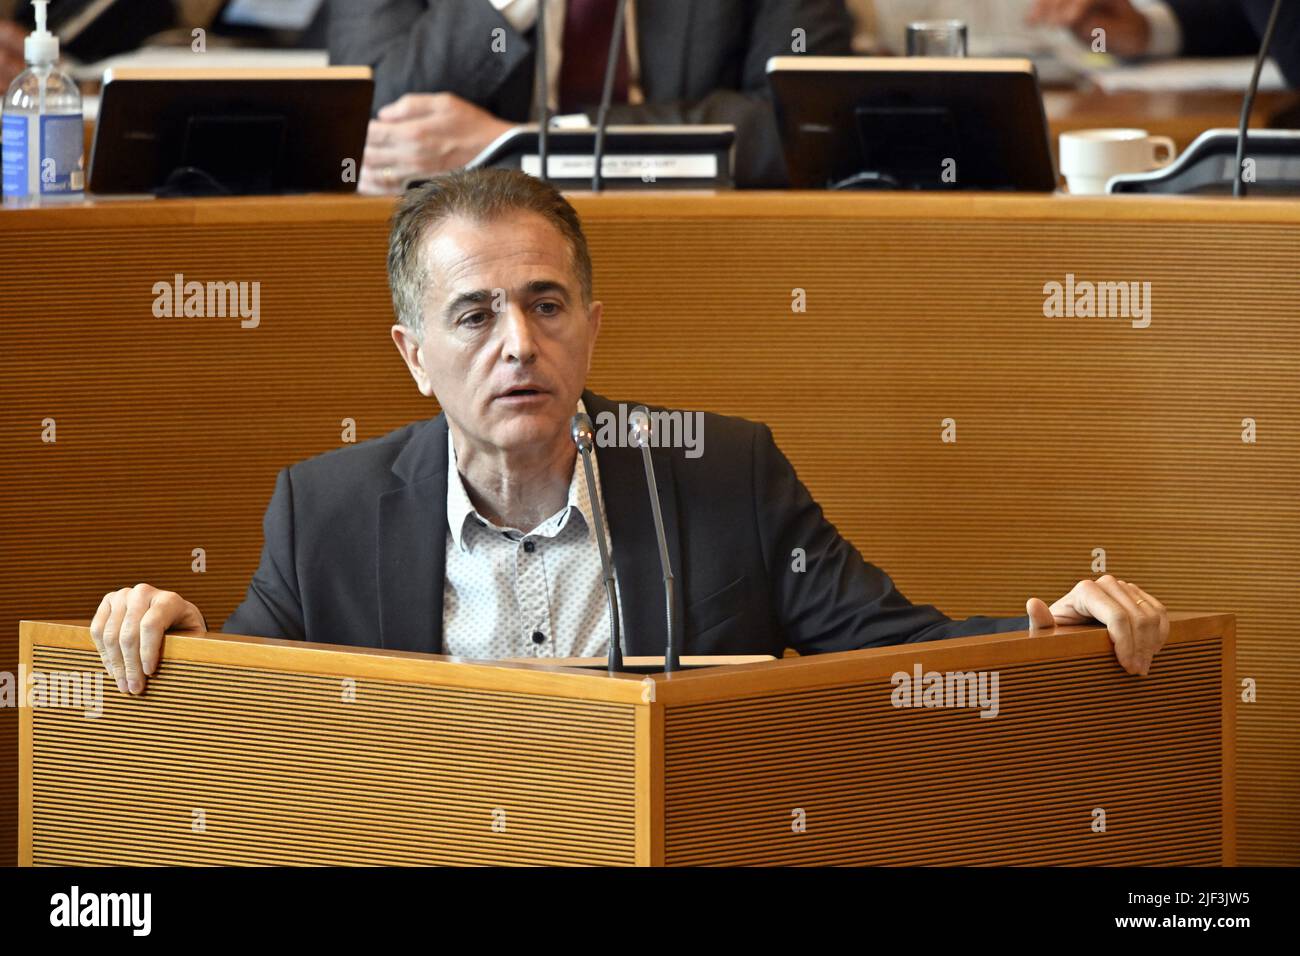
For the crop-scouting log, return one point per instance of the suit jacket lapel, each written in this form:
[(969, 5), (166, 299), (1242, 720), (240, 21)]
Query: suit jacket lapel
[(632, 535), (411, 562)]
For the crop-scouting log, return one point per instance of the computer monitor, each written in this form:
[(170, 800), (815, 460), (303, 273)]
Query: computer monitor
[(280, 23), (912, 123), (230, 131)]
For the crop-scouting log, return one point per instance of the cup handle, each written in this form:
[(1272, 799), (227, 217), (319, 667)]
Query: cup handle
[(1163, 144)]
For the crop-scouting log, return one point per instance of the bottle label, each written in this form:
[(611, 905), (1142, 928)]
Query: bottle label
[(62, 153), (13, 165)]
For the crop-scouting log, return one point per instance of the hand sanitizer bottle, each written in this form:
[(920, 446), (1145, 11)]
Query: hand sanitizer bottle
[(42, 127)]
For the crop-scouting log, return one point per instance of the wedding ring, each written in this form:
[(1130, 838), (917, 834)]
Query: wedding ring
[(388, 175), (1140, 602)]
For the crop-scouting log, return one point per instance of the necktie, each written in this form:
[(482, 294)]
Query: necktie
[(588, 25)]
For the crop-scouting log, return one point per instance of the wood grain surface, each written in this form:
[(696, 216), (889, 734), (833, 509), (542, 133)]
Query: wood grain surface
[(248, 751), (1073, 435)]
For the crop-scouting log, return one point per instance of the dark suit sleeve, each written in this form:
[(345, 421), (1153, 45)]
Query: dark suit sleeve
[(827, 32), (273, 607), (840, 601), (1236, 28), (429, 46), (1215, 28)]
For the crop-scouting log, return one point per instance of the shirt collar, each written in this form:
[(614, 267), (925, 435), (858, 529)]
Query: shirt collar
[(460, 509)]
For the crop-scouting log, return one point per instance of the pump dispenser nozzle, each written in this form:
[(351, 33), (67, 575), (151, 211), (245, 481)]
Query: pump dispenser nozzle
[(41, 47)]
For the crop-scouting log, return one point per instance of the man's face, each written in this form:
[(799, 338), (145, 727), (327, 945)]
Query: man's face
[(507, 338)]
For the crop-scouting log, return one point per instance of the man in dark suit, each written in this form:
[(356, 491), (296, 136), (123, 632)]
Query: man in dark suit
[(1181, 27), (471, 534), (452, 75)]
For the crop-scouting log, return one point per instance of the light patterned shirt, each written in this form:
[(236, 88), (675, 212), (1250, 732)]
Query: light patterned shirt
[(510, 593)]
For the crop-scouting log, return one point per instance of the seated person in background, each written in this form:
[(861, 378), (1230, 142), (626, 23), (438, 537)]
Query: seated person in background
[(1181, 27), (471, 533), (11, 53), (88, 32), (452, 75)]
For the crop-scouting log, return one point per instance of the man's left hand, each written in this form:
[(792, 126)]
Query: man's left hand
[(421, 134), (1137, 622)]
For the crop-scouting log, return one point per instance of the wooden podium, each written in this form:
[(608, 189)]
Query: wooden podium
[(250, 751)]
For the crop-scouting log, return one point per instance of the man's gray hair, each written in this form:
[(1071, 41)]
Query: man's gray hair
[(479, 195)]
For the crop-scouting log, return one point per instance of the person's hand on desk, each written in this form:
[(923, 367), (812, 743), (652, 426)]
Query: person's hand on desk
[(1128, 32), (128, 631), (1138, 624), (11, 53), (421, 134)]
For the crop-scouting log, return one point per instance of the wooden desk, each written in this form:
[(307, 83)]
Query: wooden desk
[(245, 751), (1182, 116), (1073, 434)]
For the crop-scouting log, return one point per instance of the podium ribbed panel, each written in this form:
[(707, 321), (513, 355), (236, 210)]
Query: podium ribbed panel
[(1026, 783), (287, 772)]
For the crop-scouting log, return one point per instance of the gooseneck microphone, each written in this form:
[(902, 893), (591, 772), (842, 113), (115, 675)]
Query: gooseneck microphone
[(584, 436), (639, 423), (1239, 180), (541, 89), (607, 94)]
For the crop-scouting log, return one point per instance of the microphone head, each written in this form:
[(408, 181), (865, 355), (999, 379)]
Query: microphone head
[(584, 435), (638, 421)]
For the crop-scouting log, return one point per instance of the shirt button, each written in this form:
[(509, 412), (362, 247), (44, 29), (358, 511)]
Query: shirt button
[(539, 637), (530, 548)]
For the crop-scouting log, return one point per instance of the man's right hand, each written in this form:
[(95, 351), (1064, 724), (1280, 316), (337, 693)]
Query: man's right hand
[(1128, 33), (421, 134), (128, 631)]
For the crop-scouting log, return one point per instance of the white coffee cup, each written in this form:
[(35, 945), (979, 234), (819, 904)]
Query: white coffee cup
[(1089, 157)]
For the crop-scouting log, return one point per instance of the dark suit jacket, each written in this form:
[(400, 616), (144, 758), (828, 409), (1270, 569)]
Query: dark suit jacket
[(1236, 28), (355, 550), (702, 61)]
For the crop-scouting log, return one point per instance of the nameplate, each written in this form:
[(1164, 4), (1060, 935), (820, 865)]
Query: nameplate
[(624, 166)]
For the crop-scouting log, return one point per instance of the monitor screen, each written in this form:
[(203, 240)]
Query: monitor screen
[(270, 14)]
